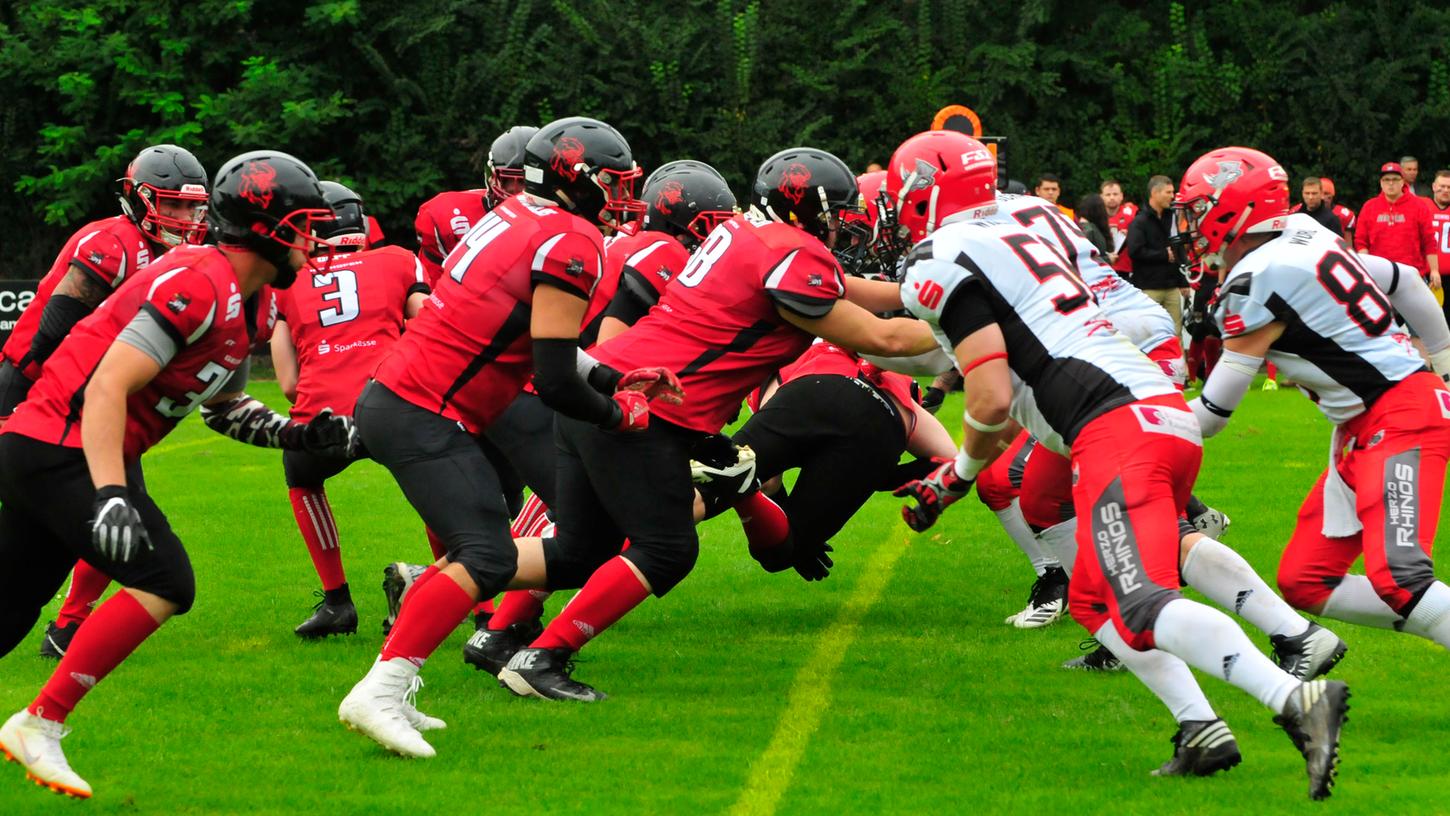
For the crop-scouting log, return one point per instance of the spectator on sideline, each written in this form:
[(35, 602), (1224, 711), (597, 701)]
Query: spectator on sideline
[(1395, 226), (1155, 270), (1345, 214), (874, 167), (1312, 198), (1092, 216), (1120, 214), (1410, 168), (1049, 187), (1437, 206)]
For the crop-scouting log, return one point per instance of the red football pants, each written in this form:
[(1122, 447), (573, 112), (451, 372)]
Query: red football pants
[(1001, 481), (1134, 468), (1047, 489), (1395, 464)]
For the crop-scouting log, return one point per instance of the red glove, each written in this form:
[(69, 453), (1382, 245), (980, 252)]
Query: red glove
[(654, 383), (635, 409)]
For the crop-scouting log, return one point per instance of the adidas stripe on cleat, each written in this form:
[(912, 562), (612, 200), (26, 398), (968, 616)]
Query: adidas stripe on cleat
[(1201, 748), (1313, 717), (1047, 602)]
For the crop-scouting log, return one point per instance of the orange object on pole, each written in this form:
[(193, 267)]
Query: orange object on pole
[(959, 118)]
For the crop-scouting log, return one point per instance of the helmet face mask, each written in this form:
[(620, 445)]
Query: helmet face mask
[(1225, 195), (506, 164), (271, 204), (809, 189)]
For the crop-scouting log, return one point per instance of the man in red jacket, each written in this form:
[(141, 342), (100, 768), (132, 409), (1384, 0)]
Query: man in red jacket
[(1395, 226)]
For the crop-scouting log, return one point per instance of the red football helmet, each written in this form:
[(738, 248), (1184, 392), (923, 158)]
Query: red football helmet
[(938, 174), (1227, 194)]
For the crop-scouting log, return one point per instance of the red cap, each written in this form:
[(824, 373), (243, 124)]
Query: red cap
[(1391, 167), (1328, 186)]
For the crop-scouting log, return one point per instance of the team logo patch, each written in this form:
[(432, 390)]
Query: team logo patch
[(1170, 421), (813, 279), (794, 182), (178, 303), (258, 182), (671, 193), (97, 258), (1228, 173), (575, 267), (568, 155)]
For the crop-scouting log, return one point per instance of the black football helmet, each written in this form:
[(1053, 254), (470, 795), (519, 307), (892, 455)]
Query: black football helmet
[(166, 175), (686, 199), (271, 203), (506, 163), (348, 231), (586, 167), (811, 189)]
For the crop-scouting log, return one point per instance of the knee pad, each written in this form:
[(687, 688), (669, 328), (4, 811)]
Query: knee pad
[(995, 489), (490, 564), (664, 563), (568, 567)]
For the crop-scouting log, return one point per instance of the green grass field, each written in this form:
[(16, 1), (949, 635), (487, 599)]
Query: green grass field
[(892, 687)]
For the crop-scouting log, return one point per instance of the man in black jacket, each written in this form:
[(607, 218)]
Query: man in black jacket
[(1155, 270), (1312, 196)]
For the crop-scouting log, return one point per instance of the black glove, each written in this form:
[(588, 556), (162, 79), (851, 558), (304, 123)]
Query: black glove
[(932, 399), (116, 528), (331, 435), (813, 563), (935, 493)]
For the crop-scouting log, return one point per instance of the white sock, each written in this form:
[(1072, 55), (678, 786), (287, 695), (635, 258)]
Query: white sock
[(1211, 642), (1430, 619), (1022, 535), (1355, 600), (1061, 540), (1166, 676), (1228, 580)]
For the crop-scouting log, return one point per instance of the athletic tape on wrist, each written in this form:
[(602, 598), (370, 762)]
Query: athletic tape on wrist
[(968, 466)]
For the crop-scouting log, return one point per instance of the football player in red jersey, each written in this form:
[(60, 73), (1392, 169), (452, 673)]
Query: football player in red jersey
[(1035, 348), (445, 218), (163, 204), (174, 339), (748, 302), (508, 306), (333, 330)]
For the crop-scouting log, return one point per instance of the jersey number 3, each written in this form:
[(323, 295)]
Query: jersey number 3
[(343, 297)]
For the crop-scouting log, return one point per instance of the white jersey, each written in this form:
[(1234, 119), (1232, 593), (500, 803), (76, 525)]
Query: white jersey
[(1341, 343), (1070, 364), (1135, 314)]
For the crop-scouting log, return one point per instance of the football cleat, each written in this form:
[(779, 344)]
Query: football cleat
[(490, 649), (735, 478), (398, 578), (1201, 748), (545, 673), (1046, 603), (1212, 523), (1313, 717), (416, 718), (57, 639), (376, 708), (328, 619), (1099, 659), (1309, 655), (34, 743)]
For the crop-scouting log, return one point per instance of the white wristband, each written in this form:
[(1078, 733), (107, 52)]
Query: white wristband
[(967, 466)]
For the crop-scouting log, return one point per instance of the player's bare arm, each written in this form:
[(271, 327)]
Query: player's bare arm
[(874, 295), (851, 326), (123, 371), (284, 360), (987, 386)]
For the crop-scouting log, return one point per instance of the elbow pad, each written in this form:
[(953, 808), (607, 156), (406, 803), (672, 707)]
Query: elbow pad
[(246, 419), (1224, 390), (557, 380)]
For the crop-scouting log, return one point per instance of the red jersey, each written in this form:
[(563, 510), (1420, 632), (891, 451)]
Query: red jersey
[(828, 358), (469, 353), (1397, 231), (343, 322), (649, 260), (110, 251), (1118, 224), (192, 293), (1438, 225), (717, 326), (442, 221)]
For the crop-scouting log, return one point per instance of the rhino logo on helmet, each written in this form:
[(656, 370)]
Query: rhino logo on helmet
[(922, 176), (794, 182), (1228, 173), (672, 193), (568, 155)]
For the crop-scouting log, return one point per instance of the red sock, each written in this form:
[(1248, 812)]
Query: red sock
[(87, 584), (607, 596), (518, 605), (111, 633), (428, 573), (436, 544), (433, 611), (766, 525), (319, 532)]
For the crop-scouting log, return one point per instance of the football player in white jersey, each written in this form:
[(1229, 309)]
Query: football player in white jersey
[(1034, 347), (1295, 294)]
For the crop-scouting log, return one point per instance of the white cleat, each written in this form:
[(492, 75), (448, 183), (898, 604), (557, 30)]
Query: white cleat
[(34, 743), (1036, 617), (416, 718), (376, 708)]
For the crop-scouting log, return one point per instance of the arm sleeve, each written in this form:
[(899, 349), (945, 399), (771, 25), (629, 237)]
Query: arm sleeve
[(150, 337), (1224, 390), (59, 316), (633, 299), (1412, 298), (569, 260), (806, 281), (556, 378)]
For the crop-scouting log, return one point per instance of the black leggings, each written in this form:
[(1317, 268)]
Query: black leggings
[(47, 494)]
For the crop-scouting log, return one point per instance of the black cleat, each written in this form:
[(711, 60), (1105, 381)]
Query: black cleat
[(1100, 659), (545, 673), (339, 618), (1313, 717), (1046, 603), (490, 649), (1201, 748), (57, 640), (1309, 655), (398, 577)]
